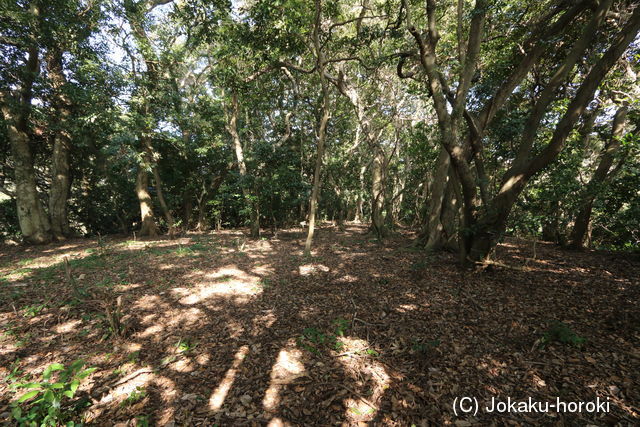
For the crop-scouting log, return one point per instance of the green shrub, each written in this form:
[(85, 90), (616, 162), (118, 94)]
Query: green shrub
[(50, 402), (134, 397), (562, 333), (313, 339)]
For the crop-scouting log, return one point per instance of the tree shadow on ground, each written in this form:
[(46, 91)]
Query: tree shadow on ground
[(231, 331)]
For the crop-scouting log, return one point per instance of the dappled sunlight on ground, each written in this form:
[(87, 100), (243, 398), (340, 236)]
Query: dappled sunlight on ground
[(220, 393), (222, 329), (308, 269)]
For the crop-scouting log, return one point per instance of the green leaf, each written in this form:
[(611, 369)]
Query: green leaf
[(28, 385), (48, 396), (74, 386), (77, 365), (16, 412), (28, 395), (52, 368), (57, 385), (86, 373)]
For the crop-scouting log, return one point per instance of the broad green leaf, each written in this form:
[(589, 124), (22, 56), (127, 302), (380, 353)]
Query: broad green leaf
[(52, 368), (29, 385), (86, 373), (28, 395)]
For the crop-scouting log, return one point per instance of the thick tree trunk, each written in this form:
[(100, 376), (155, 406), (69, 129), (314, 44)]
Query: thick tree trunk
[(148, 227), (491, 225), (599, 178), (451, 214), (433, 231), (60, 180), (34, 223)]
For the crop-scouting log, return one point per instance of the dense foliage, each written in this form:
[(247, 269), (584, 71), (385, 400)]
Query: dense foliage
[(467, 120)]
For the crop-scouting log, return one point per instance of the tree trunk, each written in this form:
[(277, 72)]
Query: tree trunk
[(359, 215), (250, 199), (34, 223), (377, 193), (187, 207), (163, 204), (599, 178), (60, 180), (395, 208), (551, 224), (451, 214), (147, 91), (148, 227), (432, 233), (482, 228), (201, 226), (322, 128), (491, 225)]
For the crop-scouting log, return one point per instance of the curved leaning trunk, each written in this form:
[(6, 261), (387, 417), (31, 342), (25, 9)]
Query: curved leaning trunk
[(600, 176), (492, 223)]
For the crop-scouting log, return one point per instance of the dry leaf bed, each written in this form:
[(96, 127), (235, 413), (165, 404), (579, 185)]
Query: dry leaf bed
[(220, 329)]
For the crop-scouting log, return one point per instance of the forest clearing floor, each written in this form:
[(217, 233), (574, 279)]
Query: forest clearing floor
[(221, 329)]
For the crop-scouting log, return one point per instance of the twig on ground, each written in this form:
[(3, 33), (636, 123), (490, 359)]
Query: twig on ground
[(488, 263), (359, 396)]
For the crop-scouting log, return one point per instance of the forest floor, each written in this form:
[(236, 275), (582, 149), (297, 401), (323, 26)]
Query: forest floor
[(220, 329)]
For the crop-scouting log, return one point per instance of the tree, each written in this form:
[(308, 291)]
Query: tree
[(601, 175), (485, 217)]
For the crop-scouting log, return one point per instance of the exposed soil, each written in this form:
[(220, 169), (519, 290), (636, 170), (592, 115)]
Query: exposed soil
[(221, 329)]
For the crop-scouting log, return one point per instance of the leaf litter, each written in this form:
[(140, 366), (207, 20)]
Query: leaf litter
[(219, 329)]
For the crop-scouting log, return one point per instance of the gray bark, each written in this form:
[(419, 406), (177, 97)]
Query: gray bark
[(322, 127), (60, 179), (16, 108)]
